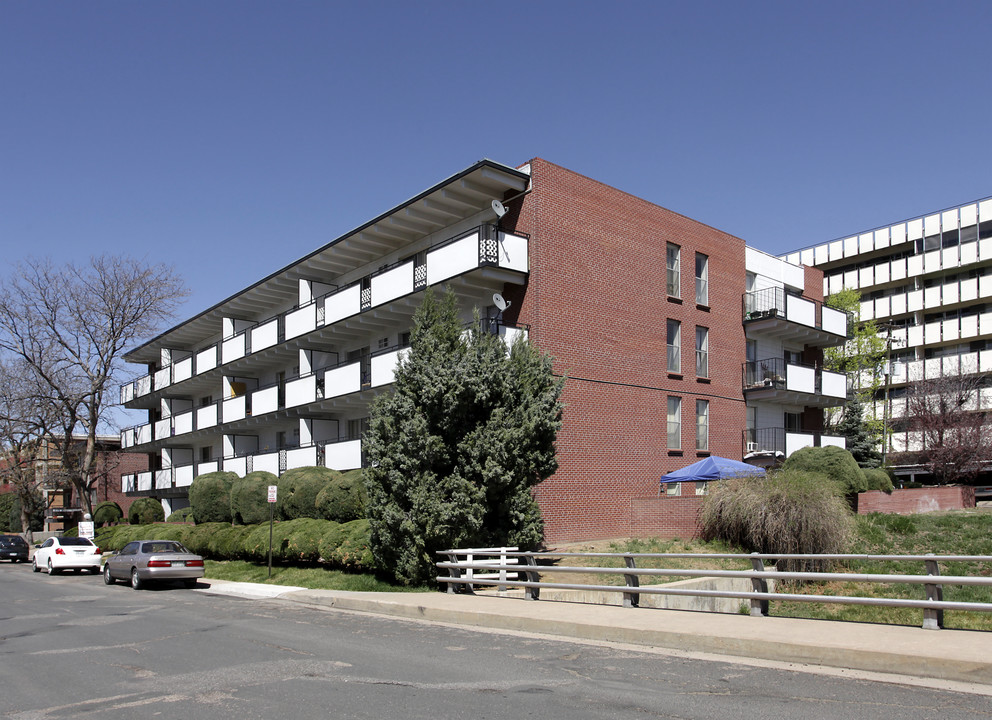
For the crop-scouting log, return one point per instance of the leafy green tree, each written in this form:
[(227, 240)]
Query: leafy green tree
[(456, 448)]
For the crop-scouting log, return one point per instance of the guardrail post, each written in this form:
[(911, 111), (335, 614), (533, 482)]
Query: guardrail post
[(454, 572), (933, 618), (531, 593), (469, 574), (631, 599), (502, 569), (759, 608)]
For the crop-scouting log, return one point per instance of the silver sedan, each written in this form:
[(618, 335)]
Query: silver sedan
[(144, 561)]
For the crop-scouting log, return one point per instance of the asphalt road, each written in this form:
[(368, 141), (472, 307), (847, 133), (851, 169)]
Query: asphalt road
[(71, 647)]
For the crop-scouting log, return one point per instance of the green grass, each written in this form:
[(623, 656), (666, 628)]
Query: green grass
[(314, 578)]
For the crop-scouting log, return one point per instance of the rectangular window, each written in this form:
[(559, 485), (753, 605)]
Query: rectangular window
[(701, 487), (672, 275), (702, 352), (673, 488), (674, 346), (793, 422), (703, 425), (702, 279), (674, 423)]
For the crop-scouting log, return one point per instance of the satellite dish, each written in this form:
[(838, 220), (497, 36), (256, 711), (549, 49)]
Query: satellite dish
[(500, 303), (498, 208)]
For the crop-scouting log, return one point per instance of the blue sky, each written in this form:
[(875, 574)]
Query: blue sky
[(230, 138)]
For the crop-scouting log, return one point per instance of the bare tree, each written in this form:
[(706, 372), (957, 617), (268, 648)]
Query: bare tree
[(70, 325), (946, 416)]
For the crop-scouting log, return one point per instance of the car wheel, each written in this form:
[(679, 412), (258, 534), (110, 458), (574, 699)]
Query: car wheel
[(34, 565), (190, 582), (135, 580), (51, 568), (107, 577)]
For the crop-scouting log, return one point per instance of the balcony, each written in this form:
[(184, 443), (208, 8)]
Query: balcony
[(780, 443), (774, 313), (775, 380), (501, 257)]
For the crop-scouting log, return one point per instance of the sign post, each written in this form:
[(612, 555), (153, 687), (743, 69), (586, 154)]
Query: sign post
[(273, 489)]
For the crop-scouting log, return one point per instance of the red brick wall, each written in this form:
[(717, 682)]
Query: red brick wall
[(916, 500), (596, 300), (666, 516)]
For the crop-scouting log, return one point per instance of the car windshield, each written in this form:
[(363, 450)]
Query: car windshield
[(12, 540), (74, 541), (162, 547)]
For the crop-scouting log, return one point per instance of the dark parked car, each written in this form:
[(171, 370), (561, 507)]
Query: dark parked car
[(13, 548), (143, 561)]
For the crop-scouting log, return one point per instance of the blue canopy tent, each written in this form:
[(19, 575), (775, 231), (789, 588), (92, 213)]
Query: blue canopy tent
[(711, 468)]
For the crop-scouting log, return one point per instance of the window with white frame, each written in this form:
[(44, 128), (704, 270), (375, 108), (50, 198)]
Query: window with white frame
[(702, 425), (674, 423), (673, 488), (672, 274), (702, 352), (674, 337), (702, 279)]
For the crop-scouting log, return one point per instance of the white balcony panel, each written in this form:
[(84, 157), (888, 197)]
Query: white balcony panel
[(969, 215), (797, 441), (898, 233), (206, 416), (343, 380), (914, 300), (265, 335), (163, 428), (915, 335), (233, 348), (143, 434), (513, 252), (384, 367), (866, 243), (984, 361), (898, 304), (850, 246), (950, 330), (129, 483), (800, 311), (264, 401), (183, 423), (851, 279), (301, 391), (184, 476), (949, 220), (866, 276), (950, 294), (127, 393), (144, 481), (900, 337), (806, 257), (969, 289), (342, 304), (985, 245), (269, 462), (206, 359), (898, 269), (207, 467), (881, 238), (453, 259), (949, 257), (239, 466), (301, 457), (931, 296), (984, 286), (868, 310), (914, 265), (969, 326), (800, 379), (820, 254), (234, 409), (833, 440), (163, 479), (127, 438), (833, 321), (985, 324), (343, 455), (510, 335), (931, 333), (883, 273), (931, 225), (835, 283), (143, 385), (392, 284), (833, 384), (969, 253), (182, 370), (932, 261), (163, 378), (914, 229), (299, 322)]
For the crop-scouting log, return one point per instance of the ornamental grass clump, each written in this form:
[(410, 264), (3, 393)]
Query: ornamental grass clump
[(785, 512)]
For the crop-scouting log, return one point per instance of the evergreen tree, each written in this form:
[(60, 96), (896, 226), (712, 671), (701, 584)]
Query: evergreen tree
[(861, 441), (455, 449)]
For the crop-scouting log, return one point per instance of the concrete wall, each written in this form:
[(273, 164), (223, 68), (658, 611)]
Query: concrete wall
[(917, 500)]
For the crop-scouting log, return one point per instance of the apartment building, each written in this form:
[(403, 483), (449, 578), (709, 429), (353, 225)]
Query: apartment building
[(927, 281), (646, 312)]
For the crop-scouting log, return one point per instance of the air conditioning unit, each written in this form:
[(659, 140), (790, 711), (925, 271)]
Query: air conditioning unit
[(752, 447)]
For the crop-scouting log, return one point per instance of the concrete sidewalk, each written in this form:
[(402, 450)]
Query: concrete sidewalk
[(959, 656)]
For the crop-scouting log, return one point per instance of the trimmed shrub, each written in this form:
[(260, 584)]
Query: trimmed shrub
[(298, 490), (197, 538), (834, 462), (182, 515), (210, 496), (344, 498), (256, 544), (788, 511), (227, 542), (107, 513), (303, 541), (144, 511), (347, 546), (250, 498), (878, 479)]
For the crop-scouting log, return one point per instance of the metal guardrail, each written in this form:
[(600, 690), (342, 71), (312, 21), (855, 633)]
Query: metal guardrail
[(463, 564)]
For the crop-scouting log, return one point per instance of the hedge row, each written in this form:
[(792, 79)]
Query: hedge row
[(305, 541)]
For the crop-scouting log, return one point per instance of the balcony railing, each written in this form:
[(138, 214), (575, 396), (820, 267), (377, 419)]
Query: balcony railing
[(780, 443), (480, 247), (774, 302), (780, 377)]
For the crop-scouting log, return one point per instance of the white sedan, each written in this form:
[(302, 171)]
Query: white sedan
[(67, 553)]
